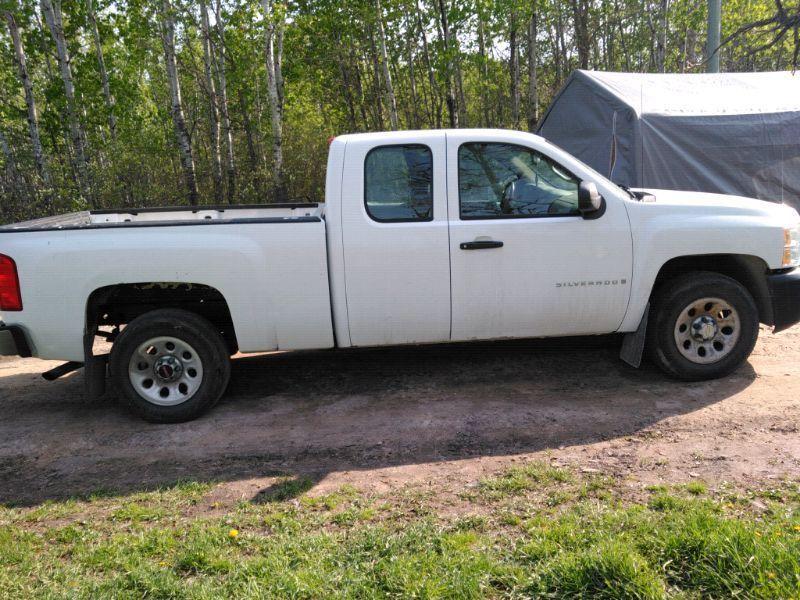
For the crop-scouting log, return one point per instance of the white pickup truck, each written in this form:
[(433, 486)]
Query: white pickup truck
[(424, 237)]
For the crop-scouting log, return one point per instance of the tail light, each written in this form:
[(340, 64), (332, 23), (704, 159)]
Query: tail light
[(10, 296)]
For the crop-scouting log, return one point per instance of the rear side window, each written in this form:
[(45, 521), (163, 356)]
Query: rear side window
[(398, 183)]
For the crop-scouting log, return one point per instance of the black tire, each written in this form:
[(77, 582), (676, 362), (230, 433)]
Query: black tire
[(667, 307), (189, 328)]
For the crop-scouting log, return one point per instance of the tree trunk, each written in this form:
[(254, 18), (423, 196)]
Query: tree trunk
[(252, 150), (179, 120), (213, 103), (387, 75), (52, 16), (690, 60), (101, 64), (346, 91), (452, 107), (30, 101), (513, 65), (230, 158), (533, 59), (662, 37), (484, 70), (434, 109), (274, 54), (412, 73), (580, 11), (376, 79)]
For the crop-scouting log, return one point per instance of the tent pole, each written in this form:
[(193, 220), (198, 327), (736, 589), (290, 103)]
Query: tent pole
[(712, 41)]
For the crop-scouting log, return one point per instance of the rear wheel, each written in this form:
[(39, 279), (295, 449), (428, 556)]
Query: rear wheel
[(703, 325), (170, 366)]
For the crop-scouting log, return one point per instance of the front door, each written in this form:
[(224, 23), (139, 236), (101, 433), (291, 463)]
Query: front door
[(524, 262)]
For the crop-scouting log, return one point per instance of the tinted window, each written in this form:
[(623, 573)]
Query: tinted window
[(503, 180), (399, 183)]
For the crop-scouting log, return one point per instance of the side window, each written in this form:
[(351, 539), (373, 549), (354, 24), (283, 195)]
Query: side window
[(398, 183), (508, 181)]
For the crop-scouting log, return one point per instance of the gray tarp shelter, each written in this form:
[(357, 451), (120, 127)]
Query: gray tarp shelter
[(734, 133)]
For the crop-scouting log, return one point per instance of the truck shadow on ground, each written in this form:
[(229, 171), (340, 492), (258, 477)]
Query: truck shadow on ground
[(313, 413)]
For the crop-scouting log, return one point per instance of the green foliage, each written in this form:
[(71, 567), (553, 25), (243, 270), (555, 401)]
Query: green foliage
[(334, 83)]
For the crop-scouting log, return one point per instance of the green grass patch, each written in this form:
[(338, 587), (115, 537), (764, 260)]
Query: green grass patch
[(518, 480), (680, 544)]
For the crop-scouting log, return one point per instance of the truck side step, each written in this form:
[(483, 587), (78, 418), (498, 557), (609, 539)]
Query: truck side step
[(61, 370)]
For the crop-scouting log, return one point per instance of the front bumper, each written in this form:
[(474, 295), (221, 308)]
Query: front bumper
[(784, 291), (13, 341)]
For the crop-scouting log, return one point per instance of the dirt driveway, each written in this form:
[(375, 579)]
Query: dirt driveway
[(438, 416)]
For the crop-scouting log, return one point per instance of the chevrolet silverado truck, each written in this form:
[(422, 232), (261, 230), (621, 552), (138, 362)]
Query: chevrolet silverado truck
[(424, 237)]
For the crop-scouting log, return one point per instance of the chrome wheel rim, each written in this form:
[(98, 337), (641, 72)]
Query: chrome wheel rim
[(165, 371), (707, 330)]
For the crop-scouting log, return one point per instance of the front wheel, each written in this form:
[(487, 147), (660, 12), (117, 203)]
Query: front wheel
[(170, 366), (703, 325)]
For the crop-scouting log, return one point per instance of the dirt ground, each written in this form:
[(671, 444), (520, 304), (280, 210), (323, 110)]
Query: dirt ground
[(442, 417)]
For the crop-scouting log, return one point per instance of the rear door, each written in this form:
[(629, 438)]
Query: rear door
[(395, 238), (525, 263)]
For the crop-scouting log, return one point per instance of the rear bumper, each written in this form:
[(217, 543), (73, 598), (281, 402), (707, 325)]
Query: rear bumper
[(784, 291), (13, 341)]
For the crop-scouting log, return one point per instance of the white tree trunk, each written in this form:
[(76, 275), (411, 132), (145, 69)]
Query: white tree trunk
[(274, 18), (213, 111), (387, 75), (52, 16), (230, 162), (101, 64), (30, 101), (181, 131)]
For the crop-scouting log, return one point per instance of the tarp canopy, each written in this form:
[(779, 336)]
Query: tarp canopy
[(733, 133)]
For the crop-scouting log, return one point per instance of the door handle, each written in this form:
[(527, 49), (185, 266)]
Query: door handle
[(480, 245)]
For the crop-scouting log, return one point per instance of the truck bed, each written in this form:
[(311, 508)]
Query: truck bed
[(175, 215)]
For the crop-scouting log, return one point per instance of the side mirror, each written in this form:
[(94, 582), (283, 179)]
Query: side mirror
[(589, 199)]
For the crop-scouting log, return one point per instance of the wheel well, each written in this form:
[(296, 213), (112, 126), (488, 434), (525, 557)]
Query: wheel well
[(748, 270), (118, 305)]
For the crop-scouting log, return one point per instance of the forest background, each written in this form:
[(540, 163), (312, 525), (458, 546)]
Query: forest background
[(127, 103)]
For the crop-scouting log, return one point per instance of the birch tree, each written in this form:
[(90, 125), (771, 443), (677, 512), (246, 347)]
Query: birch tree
[(30, 101), (101, 65), (213, 112), (224, 108), (52, 16), (274, 15), (387, 76), (179, 120)]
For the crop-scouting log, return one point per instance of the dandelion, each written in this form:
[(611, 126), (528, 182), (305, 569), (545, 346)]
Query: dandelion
[(770, 574), (233, 534), (796, 527)]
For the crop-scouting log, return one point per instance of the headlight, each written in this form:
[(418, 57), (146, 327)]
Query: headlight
[(791, 247)]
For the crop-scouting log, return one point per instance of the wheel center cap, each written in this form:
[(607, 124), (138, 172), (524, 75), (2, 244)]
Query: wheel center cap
[(704, 328), (168, 368)]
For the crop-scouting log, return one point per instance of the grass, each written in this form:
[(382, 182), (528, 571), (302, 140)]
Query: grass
[(533, 531)]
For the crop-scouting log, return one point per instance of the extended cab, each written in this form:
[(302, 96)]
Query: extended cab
[(424, 237)]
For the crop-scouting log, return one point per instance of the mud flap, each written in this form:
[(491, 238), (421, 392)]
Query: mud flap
[(633, 343), (94, 376), (94, 368)]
